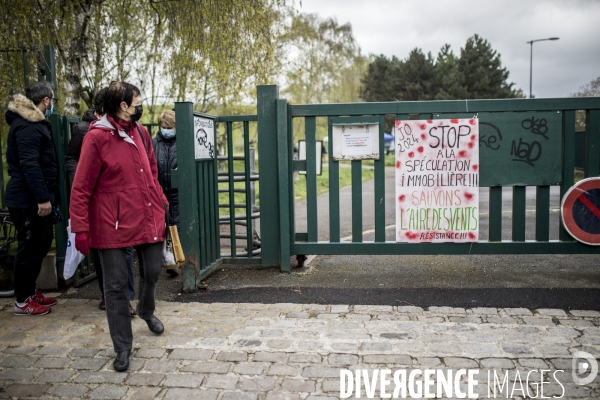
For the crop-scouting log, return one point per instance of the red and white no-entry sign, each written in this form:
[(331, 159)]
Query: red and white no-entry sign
[(580, 211)]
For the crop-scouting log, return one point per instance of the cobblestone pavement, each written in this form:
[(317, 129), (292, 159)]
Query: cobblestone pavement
[(246, 351)]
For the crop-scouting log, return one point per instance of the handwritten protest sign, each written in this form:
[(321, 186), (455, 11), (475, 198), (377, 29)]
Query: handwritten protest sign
[(437, 180)]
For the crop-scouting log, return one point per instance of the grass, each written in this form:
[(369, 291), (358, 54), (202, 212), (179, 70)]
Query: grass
[(299, 187), (389, 161)]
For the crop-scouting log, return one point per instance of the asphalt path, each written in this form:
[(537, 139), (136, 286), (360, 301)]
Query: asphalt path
[(531, 281)]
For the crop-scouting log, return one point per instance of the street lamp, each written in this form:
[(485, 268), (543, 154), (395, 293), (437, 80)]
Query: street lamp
[(531, 60)]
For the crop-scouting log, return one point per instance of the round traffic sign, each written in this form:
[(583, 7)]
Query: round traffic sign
[(580, 211)]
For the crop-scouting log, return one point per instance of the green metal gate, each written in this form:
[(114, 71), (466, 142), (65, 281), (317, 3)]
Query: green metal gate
[(276, 119), (227, 170)]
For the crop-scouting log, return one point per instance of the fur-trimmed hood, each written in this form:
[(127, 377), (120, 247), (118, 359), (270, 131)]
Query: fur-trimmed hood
[(24, 107)]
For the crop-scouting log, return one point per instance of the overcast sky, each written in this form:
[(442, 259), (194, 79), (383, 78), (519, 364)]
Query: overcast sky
[(395, 27)]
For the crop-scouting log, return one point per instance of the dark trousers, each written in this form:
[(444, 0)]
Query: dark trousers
[(34, 235), (100, 274), (114, 266)]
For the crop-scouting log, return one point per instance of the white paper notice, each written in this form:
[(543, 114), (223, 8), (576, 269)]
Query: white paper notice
[(204, 138), (356, 144)]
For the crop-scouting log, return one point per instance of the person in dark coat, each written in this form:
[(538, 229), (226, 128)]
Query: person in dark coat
[(71, 160), (165, 149), (74, 149), (116, 202), (33, 171)]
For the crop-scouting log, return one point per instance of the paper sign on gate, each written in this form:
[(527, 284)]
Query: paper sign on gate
[(437, 180), (204, 138)]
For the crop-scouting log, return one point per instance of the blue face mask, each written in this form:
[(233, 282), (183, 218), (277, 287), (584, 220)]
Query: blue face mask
[(167, 133), (49, 111)]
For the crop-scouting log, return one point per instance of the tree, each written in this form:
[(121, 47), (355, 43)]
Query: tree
[(417, 77), (590, 89), (376, 84), (477, 73), (347, 87), (229, 41), (323, 57), (62, 23), (481, 72), (448, 75)]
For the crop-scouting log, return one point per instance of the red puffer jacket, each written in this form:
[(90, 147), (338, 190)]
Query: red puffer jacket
[(116, 196)]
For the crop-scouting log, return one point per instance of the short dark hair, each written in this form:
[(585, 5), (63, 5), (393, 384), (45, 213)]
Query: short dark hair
[(99, 101), (37, 91), (118, 92)]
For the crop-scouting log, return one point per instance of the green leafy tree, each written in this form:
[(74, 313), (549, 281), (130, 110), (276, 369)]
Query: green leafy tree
[(417, 77), (324, 63), (62, 23), (448, 75), (476, 74), (377, 82), (217, 45)]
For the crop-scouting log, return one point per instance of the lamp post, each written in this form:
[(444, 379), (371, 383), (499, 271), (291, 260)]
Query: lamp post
[(531, 60)]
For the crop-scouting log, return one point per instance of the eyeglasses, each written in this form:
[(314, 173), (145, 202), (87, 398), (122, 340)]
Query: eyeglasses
[(54, 100)]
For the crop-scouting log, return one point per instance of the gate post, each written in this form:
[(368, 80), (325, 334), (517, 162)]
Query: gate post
[(283, 162), (188, 190), (267, 165), (47, 67), (59, 131)]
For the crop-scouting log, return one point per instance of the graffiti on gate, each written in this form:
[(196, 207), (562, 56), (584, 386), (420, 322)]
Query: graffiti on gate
[(519, 147)]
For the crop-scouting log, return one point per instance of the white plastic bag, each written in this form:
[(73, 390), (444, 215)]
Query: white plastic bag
[(73, 257), (168, 255)]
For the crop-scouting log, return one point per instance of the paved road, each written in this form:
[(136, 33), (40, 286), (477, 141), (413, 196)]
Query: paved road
[(253, 351)]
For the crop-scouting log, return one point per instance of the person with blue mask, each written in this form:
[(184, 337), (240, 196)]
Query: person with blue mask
[(165, 148), (30, 192)]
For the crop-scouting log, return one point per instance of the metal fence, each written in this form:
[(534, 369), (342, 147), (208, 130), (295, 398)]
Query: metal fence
[(223, 181), (276, 119), (229, 175)]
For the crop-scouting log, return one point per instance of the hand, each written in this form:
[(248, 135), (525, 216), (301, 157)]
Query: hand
[(44, 209), (82, 242)]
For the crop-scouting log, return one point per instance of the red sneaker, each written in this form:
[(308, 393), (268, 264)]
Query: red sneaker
[(31, 307), (39, 298)]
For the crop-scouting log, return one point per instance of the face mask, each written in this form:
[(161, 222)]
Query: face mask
[(49, 110), (167, 133), (139, 110)]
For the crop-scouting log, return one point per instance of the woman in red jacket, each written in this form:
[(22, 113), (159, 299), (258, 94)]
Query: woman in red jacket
[(117, 202)]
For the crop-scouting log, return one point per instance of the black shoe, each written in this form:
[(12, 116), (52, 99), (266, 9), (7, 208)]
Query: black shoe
[(175, 272), (121, 362), (155, 325)]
